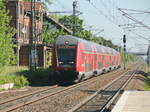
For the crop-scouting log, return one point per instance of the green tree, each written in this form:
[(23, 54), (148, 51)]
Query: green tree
[(27, 0), (51, 34), (80, 31), (6, 33)]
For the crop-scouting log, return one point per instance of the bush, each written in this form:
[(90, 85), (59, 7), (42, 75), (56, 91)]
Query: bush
[(147, 81), (37, 77), (20, 81), (21, 76)]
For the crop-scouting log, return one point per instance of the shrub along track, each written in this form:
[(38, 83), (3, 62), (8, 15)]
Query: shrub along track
[(25, 100)]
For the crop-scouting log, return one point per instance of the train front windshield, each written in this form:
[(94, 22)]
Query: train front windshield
[(66, 57)]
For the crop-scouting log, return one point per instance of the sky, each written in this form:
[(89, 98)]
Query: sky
[(103, 16)]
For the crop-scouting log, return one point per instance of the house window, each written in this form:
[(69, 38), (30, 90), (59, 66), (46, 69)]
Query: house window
[(24, 31), (20, 27), (39, 33), (21, 9), (28, 32)]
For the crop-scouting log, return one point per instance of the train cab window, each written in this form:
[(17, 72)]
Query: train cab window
[(21, 9), (66, 56)]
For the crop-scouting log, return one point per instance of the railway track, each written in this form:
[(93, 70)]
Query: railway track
[(18, 102), (101, 100)]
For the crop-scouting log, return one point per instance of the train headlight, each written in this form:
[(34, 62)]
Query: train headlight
[(60, 62), (71, 62)]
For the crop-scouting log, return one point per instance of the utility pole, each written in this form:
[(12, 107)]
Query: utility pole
[(148, 55), (32, 42), (124, 53), (74, 18)]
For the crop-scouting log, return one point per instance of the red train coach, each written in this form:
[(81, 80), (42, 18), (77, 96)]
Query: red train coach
[(77, 59)]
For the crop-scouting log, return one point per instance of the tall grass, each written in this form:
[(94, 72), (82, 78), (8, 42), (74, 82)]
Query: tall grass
[(128, 57), (147, 80), (11, 74), (22, 76)]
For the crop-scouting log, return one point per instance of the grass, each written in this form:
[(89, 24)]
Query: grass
[(147, 80), (10, 74), (130, 58), (22, 76), (147, 84)]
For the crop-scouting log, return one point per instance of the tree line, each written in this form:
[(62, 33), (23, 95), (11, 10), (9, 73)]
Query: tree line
[(51, 33)]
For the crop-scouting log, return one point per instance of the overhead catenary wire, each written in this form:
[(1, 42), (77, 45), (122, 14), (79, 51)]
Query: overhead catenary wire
[(63, 7), (101, 12), (109, 17), (132, 18), (110, 8), (142, 11), (146, 15), (141, 36)]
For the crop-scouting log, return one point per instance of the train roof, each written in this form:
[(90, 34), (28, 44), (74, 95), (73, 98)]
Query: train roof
[(74, 41)]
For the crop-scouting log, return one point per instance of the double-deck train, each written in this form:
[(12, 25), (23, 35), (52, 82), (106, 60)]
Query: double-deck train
[(75, 59)]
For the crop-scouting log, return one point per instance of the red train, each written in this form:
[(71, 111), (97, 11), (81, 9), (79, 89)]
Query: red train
[(75, 59)]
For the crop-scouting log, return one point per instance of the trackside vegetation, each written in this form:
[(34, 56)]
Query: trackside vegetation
[(11, 74), (147, 80), (39, 77), (6, 33), (22, 76), (7, 56), (128, 57)]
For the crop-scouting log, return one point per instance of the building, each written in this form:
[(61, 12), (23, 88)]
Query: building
[(20, 13), (21, 20)]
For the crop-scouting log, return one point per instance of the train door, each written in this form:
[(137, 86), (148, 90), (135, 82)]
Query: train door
[(103, 60), (110, 60), (87, 62), (99, 60), (92, 62), (81, 65), (95, 61), (94, 57)]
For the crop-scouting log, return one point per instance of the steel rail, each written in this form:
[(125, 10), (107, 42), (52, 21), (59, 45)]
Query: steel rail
[(26, 95), (14, 107), (77, 107), (117, 93)]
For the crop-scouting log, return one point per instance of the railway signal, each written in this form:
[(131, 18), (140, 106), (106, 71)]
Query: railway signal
[(148, 56), (124, 48)]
